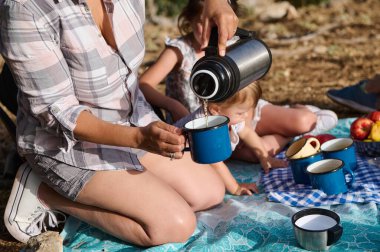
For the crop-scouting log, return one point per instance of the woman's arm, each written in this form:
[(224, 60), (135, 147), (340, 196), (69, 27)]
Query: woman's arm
[(157, 137), (154, 75)]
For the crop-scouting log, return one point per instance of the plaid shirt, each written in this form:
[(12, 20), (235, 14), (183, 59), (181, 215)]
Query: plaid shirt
[(62, 66)]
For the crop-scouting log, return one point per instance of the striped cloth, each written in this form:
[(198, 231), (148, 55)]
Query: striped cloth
[(280, 187), (63, 65)]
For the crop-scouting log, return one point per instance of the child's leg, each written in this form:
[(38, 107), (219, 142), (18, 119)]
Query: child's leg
[(285, 121), (272, 143)]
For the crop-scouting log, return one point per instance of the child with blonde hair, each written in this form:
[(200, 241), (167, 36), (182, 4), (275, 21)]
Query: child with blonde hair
[(175, 64), (272, 122), (238, 108)]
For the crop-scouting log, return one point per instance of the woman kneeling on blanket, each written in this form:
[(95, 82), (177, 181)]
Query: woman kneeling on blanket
[(86, 130)]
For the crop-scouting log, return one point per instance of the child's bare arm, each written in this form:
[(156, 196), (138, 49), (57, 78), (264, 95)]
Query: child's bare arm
[(232, 186), (255, 143), (154, 75)]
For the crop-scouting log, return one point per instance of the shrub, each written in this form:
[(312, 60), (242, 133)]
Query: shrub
[(169, 8)]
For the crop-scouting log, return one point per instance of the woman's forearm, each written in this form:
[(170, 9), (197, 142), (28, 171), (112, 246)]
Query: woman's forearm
[(92, 129)]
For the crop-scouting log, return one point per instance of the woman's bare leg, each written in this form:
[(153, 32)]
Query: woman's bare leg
[(292, 122), (198, 184), (140, 207)]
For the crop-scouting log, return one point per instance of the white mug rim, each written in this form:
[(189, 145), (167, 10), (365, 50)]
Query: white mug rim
[(223, 121), (337, 167), (336, 140), (320, 211)]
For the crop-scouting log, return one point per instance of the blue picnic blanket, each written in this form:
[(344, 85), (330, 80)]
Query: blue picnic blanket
[(280, 187), (245, 223)]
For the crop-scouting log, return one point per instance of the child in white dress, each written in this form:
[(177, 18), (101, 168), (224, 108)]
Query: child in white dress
[(238, 109), (271, 122)]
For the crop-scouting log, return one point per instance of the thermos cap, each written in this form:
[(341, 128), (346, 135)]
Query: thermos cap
[(206, 74)]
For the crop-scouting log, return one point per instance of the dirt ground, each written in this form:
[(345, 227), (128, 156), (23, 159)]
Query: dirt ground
[(328, 46)]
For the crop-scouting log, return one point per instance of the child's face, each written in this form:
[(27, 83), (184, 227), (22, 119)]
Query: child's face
[(237, 112)]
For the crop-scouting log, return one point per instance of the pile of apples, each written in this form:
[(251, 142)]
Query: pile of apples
[(366, 128)]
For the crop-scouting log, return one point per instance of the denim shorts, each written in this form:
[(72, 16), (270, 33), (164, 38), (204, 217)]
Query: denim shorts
[(65, 179)]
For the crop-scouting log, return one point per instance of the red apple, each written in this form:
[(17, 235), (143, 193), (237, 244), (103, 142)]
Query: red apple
[(324, 138), (374, 116), (360, 128), (308, 136)]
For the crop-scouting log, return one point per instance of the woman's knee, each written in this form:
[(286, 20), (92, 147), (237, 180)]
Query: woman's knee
[(208, 195), (215, 196), (177, 227)]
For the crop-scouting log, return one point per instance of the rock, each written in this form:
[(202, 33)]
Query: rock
[(256, 3), (277, 11), (320, 49), (48, 241), (339, 3)]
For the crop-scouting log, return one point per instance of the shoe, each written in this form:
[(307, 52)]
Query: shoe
[(25, 216), (326, 120), (354, 97)]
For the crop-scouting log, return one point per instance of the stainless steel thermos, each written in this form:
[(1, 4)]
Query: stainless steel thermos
[(215, 78)]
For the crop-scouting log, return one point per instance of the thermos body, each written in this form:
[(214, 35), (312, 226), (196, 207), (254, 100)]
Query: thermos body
[(216, 78), (252, 58)]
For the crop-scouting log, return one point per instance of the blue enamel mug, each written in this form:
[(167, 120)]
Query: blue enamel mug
[(209, 139), (299, 166), (343, 149), (328, 175)]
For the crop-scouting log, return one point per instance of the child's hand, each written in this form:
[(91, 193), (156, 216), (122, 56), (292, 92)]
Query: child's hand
[(246, 189), (271, 162)]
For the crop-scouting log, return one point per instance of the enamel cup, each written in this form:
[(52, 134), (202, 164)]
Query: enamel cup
[(209, 141), (303, 147), (328, 175), (299, 166), (316, 228), (343, 149)]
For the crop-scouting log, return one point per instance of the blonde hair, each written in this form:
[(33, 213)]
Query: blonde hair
[(251, 93)]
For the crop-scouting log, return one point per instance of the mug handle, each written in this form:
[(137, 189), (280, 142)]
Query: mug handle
[(334, 234), (186, 140), (316, 141), (352, 176)]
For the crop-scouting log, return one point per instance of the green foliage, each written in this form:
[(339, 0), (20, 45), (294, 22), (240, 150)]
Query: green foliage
[(299, 3), (169, 8)]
